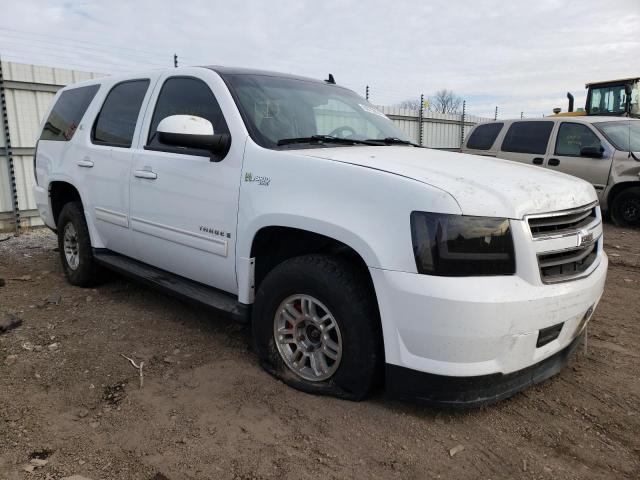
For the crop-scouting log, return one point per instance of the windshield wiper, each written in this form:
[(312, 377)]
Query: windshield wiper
[(393, 141), (324, 139)]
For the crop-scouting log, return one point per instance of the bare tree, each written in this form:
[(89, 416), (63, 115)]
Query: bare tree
[(410, 104), (445, 101)]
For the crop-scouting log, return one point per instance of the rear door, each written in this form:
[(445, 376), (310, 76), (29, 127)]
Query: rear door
[(105, 162), (526, 142), (565, 156)]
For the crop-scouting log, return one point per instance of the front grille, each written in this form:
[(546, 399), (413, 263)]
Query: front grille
[(567, 264), (562, 223), (567, 242)]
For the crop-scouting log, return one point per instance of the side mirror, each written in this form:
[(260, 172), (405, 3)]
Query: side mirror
[(592, 151), (192, 132)]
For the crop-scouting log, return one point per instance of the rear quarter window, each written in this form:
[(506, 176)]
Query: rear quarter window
[(527, 137), (483, 136), (67, 113)]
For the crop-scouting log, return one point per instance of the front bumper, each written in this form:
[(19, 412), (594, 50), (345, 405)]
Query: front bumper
[(469, 392), (470, 327)]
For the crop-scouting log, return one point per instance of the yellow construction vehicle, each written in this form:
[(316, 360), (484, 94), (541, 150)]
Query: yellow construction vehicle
[(611, 97)]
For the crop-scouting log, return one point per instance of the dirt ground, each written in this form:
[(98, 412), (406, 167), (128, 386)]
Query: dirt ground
[(71, 404)]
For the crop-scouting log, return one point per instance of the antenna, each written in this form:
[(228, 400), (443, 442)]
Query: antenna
[(330, 79)]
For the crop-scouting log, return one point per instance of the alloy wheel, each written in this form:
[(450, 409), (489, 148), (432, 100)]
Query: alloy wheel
[(70, 244), (308, 337)]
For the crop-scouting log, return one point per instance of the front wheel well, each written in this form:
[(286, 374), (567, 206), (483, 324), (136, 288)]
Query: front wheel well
[(617, 189), (273, 245), (61, 193)]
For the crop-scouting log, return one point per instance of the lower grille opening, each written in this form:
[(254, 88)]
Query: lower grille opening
[(549, 334), (561, 266)]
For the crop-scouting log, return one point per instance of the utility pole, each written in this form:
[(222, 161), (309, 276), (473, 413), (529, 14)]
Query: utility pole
[(8, 152), (521, 114), (366, 93), (175, 60), (495, 115), (420, 120)]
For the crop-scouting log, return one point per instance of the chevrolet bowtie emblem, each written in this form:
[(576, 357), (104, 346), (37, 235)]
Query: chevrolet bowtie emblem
[(584, 238)]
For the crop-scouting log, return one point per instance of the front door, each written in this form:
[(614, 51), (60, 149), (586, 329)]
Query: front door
[(184, 205), (565, 157)]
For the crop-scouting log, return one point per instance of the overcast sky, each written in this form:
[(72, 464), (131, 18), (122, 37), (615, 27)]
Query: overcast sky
[(522, 56)]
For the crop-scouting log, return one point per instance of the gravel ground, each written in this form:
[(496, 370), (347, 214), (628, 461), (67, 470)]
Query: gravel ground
[(71, 404)]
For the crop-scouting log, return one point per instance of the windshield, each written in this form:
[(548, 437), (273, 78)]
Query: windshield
[(276, 109), (619, 134), (608, 100)]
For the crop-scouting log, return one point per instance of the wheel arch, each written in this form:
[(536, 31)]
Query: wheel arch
[(618, 188), (613, 209), (273, 244), (62, 192)]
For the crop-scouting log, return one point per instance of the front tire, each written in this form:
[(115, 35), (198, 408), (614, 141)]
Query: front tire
[(75, 248), (625, 208), (316, 327)]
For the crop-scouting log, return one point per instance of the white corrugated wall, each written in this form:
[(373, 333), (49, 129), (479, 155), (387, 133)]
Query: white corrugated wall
[(439, 130), (29, 90)]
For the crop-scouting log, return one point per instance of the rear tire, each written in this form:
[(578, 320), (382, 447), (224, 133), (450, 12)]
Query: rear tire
[(75, 248), (343, 356), (625, 208)]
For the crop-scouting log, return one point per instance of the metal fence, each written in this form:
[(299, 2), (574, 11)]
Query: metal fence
[(26, 92), (431, 129)]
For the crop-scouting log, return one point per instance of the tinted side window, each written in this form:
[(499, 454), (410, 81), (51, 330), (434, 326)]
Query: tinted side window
[(572, 137), (117, 119), (186, 96), (483, 136), (67, 113), (527, 137)]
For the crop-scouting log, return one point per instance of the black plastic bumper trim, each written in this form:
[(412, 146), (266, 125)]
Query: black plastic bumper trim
[(549, 334), (471, 392)]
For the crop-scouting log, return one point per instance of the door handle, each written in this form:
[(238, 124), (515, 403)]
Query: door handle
[(553, 162), (86, 162), (148, 174), (538, 161)]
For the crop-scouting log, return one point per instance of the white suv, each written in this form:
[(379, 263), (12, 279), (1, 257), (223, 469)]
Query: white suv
[(296, 205)]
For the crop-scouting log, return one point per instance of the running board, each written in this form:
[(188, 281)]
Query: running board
[(174, 284)]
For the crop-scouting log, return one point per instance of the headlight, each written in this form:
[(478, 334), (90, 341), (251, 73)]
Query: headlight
[(462, 246)]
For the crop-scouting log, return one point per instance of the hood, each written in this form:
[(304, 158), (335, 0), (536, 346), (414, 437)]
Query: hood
[(482, 186)]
